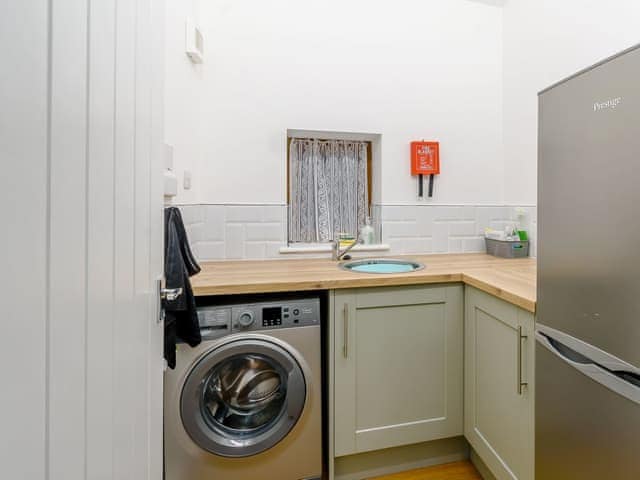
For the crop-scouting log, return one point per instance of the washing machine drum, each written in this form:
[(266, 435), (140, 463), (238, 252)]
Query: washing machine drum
[(243, 397)]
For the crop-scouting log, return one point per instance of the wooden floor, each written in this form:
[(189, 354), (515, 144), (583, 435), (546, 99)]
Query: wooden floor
[(448, 471)]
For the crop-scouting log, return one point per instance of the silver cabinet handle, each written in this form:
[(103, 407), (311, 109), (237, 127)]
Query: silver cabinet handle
[(521, 337), (345, 332), (170, 294)]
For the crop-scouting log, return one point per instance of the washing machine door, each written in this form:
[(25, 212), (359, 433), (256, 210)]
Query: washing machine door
[(242, 397)]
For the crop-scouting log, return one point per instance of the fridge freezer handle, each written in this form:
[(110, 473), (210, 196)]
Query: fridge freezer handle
[(592, 353), (594, 371)]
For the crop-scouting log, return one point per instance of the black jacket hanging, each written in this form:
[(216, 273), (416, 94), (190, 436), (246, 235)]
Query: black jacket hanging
[(181, 318)]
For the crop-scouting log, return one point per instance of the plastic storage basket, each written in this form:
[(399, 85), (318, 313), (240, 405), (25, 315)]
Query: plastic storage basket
[(507, 249)]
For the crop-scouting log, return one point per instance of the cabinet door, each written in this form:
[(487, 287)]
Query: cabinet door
[(397, 366), (498, 413)]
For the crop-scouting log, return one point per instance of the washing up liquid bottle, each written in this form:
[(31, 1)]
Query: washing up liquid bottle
[(366, 232)]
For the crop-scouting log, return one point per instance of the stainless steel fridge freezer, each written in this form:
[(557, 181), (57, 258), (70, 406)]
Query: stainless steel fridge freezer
[(588, 310)]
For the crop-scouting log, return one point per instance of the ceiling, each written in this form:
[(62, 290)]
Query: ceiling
[(495, 3)]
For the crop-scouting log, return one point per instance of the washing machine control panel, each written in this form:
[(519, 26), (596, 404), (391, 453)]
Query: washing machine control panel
[(218, 321), (264, 316)]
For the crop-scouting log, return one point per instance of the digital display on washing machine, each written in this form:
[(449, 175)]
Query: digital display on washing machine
[(271, 316)]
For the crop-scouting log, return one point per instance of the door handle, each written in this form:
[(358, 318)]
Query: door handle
[(170, 294), (521, 384), (345, 331)]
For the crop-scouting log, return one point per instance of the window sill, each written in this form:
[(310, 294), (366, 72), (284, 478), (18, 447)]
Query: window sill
[(326, 248)]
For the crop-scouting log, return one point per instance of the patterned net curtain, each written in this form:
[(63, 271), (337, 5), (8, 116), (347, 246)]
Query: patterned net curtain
[(328, 188)]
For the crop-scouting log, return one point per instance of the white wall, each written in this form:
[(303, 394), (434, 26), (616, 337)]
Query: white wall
[(408, 70), (469, 80), (545, 41), (184, 87)]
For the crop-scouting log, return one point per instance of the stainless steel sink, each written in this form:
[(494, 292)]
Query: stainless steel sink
[(381, 265)]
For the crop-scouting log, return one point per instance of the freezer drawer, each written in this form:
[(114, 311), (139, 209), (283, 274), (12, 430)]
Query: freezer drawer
[(584, 431)]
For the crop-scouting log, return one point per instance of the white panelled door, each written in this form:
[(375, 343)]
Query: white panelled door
[(81, 243)]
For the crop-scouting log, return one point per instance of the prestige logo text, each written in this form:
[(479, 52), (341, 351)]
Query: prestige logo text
[(612, 103)]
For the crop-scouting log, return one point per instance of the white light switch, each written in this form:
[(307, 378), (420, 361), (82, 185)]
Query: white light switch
[(186, 181)]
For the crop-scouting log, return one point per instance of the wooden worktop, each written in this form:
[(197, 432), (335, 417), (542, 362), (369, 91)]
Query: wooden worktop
[(513, 280)]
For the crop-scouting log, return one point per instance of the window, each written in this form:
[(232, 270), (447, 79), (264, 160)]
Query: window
[(329, 187)]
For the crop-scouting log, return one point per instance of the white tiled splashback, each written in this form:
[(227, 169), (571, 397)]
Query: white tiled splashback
[(219, 232), (448, 229)]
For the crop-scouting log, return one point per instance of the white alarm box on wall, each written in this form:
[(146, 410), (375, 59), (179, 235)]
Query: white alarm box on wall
[(194, 42)]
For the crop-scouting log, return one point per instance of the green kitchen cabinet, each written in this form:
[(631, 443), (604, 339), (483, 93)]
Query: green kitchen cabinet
[(397, 366), (499, 390)]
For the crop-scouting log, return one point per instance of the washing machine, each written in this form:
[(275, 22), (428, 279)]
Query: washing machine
[(247, 402)]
